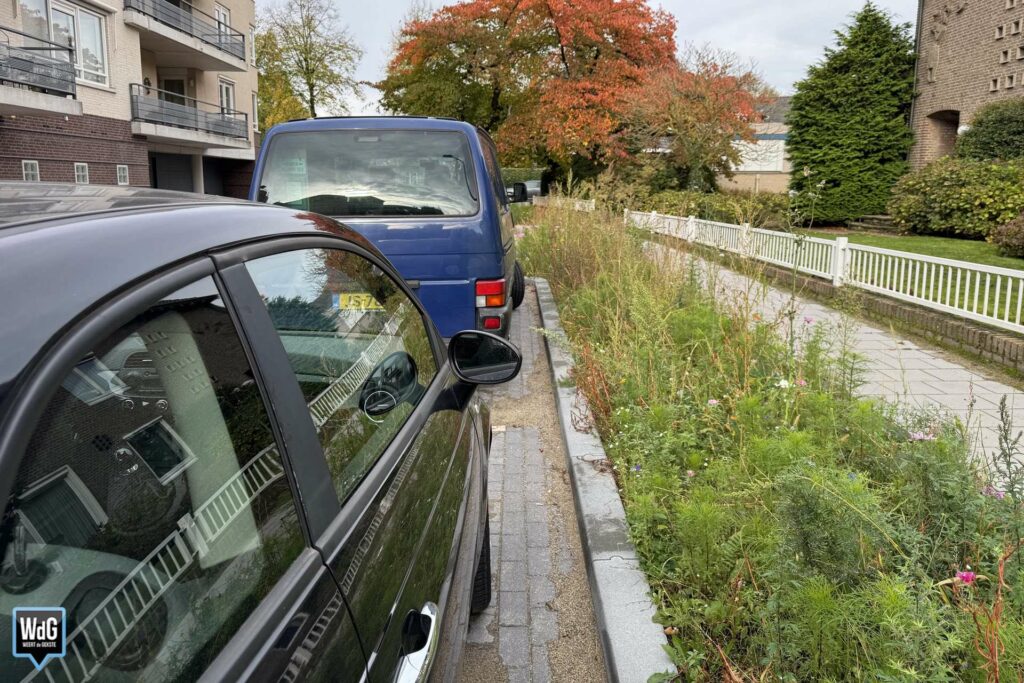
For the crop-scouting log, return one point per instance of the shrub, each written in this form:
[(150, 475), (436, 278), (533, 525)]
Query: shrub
[(760, 209), (959, 197), (1009, 237), (997, 132)]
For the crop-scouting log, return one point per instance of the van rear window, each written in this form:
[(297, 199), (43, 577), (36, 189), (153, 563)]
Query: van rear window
[(371, 173)]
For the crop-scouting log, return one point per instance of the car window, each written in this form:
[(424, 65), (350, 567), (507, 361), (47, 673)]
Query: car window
[(358, 346), (371, 173), (151, 503), (493, 169)]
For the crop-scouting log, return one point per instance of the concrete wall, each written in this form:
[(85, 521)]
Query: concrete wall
[(961, 54)]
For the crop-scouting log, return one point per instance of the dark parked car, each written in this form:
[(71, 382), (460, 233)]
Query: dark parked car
[(232, 445), (427, 192)]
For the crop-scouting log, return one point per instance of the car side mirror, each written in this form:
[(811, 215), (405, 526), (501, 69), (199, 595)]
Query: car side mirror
[(519, 193), (483, 358)]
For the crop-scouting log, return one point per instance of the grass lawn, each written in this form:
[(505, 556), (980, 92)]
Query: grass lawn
[(944, 247)]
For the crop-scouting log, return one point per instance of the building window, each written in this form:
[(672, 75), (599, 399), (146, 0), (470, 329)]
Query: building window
[(227, 97), (994, 85), (30, 170), (84, 31), (122, 174), (1000, 32), (223, 17), (1004, 57), (931, 74), (1011, 4), (252, 45), (1011, 81), (255, 113), (82, 174), (1020, 52)]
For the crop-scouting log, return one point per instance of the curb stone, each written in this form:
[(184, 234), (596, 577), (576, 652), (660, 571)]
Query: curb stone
[(631, 640)]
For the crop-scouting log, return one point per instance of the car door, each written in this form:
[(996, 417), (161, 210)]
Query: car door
[(152, 501), (393, 426)]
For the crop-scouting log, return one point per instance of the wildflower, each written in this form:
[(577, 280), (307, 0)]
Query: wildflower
[(681, 393), (637, 468), (852, 476), (808, 321), (967, 578), (921, 436), (691, 474), (801, 383), (783, 384), (993, 492), (712, 402)]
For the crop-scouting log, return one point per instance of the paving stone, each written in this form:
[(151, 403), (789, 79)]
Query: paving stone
[(512, 576), (514, 646), (513, 608)]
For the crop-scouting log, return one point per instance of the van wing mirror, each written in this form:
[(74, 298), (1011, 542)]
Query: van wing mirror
[(519, 193), (483, 358)]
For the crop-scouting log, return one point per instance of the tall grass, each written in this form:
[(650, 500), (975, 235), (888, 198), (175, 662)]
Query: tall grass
[(790, 531)]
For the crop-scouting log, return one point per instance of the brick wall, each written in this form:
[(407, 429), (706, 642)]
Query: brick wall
[(56, 144), (959, 57)]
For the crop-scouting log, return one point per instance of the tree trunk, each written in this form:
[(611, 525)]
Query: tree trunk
[(312, 101), (495, 118)]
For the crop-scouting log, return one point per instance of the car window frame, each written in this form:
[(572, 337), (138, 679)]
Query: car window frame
[(39, 382), (323, 506)]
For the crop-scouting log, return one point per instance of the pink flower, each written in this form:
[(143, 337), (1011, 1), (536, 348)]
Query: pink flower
[(966, 578), (921, 436), (801, 383), (808, 321), (691, 474), (994, 492), (712, 402)]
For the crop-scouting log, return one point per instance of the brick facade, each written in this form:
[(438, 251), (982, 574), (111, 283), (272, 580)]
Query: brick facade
[(57, 145), (970, 53)]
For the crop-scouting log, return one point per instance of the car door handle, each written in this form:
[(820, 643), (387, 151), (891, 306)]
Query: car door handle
[(420, 631)]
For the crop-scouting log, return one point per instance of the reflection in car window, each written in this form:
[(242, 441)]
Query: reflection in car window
[(371, 173), (357, 345), (151, 503)]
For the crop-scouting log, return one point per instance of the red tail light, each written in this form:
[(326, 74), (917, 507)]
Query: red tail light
[(492, 323), (490, 293)]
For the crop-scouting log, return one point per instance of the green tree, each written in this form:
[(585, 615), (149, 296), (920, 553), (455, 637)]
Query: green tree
[(277, 99), (997, 133), (317, 53), (849, 133)]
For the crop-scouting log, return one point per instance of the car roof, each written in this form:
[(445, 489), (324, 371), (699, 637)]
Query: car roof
[(66, 248), (373, 123)]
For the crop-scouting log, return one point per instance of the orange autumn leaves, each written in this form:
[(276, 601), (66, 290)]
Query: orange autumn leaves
[(549, 78)]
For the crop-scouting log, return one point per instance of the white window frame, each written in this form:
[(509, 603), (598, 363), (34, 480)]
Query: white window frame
[(1011, 81), (224, 85), (75, 10), (1015, 27), (77, 486), (123, 181), (255, 113), (252, 44), (1000, 32), (81, 171), (26, 165), (993, 86), (223, 16)]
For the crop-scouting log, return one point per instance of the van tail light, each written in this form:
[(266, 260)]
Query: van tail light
[(490, 293), (492, 323)]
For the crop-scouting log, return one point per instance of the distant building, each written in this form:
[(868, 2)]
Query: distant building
[(157, 93), (765, 166), (970, 53)]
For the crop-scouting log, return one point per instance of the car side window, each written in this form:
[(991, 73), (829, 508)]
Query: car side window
[(494, 170), (151, 503), (358, 346)]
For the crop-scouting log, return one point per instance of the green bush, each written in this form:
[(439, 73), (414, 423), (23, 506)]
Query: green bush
[(997, 132), (959, 197), (760, 209), (789, 531), (1009, 237), (520, 175)]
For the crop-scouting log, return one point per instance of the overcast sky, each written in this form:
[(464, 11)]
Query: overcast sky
[(782, 37)]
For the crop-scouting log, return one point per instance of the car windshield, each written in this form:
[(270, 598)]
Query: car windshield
[(371, 173)]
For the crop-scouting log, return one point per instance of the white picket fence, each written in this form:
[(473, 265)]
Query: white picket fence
[(561, 202), (986, 294)]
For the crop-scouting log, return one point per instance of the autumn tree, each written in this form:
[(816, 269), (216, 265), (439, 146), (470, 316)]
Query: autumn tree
[(687, 117), (849, 133), (276, 96), (545, 77), (317, 54)]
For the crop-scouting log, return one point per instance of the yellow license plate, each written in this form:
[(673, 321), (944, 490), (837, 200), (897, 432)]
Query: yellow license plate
[(357, 301)]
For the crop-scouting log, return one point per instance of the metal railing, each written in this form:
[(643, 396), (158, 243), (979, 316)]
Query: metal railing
[(173, 109), (35, 63), (987, 294), (196, 23)]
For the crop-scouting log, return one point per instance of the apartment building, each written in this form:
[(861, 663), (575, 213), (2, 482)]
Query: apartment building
[(764, 165), (970, 53), (158, 93)]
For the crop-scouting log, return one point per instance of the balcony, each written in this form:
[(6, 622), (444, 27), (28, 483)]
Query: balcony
[(36, 76), (169, 117), (180, 35)]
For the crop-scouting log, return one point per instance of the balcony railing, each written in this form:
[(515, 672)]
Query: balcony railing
[(37, 64), (172, 109), (187, 19)]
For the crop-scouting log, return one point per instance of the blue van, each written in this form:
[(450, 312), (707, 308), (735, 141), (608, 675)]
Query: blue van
[(427, 192)]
